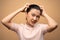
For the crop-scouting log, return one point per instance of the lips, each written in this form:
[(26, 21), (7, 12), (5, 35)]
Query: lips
[(34, 22)]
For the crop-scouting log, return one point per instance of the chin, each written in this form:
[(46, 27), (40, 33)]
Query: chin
[(32, 24)]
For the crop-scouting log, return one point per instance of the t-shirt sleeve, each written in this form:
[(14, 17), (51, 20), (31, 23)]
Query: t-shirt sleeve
[(44, 27), (14, 27)]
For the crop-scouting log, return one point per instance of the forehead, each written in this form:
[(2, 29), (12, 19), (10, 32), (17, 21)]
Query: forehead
[(35, 11)]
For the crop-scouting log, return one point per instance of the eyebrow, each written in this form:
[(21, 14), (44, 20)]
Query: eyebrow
[(34, 14)]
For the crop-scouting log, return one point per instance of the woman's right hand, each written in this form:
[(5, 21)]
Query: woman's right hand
[(23, 9)]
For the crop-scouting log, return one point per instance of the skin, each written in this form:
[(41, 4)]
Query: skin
[(32, 18)]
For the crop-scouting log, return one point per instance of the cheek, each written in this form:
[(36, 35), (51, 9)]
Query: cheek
[(28, 18)]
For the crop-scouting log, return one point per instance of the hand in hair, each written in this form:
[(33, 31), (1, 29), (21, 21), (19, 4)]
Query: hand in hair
[(23, 9), (43, 10)]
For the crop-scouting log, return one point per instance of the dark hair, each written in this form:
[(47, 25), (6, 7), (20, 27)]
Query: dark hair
[(34, 6)]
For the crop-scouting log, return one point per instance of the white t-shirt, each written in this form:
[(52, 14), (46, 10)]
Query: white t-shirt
[(27, 33)]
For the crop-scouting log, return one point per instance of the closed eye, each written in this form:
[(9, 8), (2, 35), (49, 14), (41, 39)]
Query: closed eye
[(33, 14)]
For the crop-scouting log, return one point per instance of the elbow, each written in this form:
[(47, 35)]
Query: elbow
[(3, 21), (53, 28), (56, 25)]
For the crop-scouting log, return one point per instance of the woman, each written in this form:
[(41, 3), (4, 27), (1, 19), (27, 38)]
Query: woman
[(31, 30)]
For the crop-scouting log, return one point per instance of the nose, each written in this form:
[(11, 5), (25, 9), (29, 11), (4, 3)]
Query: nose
[(35, 18)]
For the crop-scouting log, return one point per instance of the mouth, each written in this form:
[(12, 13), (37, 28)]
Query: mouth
[(33, 22)]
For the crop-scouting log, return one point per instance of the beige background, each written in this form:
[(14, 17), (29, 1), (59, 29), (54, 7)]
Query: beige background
[(52, 8)]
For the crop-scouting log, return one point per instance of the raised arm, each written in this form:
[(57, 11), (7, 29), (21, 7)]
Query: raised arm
[(52, 24), (7, 20)]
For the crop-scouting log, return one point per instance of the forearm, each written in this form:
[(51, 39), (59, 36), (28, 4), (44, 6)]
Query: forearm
[(10, 16), (51, 22)]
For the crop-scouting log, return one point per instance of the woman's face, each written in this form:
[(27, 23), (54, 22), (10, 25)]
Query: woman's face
[(33, 16)]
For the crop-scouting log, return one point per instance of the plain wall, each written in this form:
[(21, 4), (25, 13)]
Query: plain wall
[(52, 8)]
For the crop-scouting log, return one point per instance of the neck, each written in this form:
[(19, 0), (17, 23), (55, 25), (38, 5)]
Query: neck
[(29, 24)]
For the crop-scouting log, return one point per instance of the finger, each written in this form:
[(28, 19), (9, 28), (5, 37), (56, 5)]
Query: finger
[(28, 4), (42, 7)]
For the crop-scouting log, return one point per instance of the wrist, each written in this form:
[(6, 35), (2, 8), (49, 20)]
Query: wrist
[(45, 15)]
